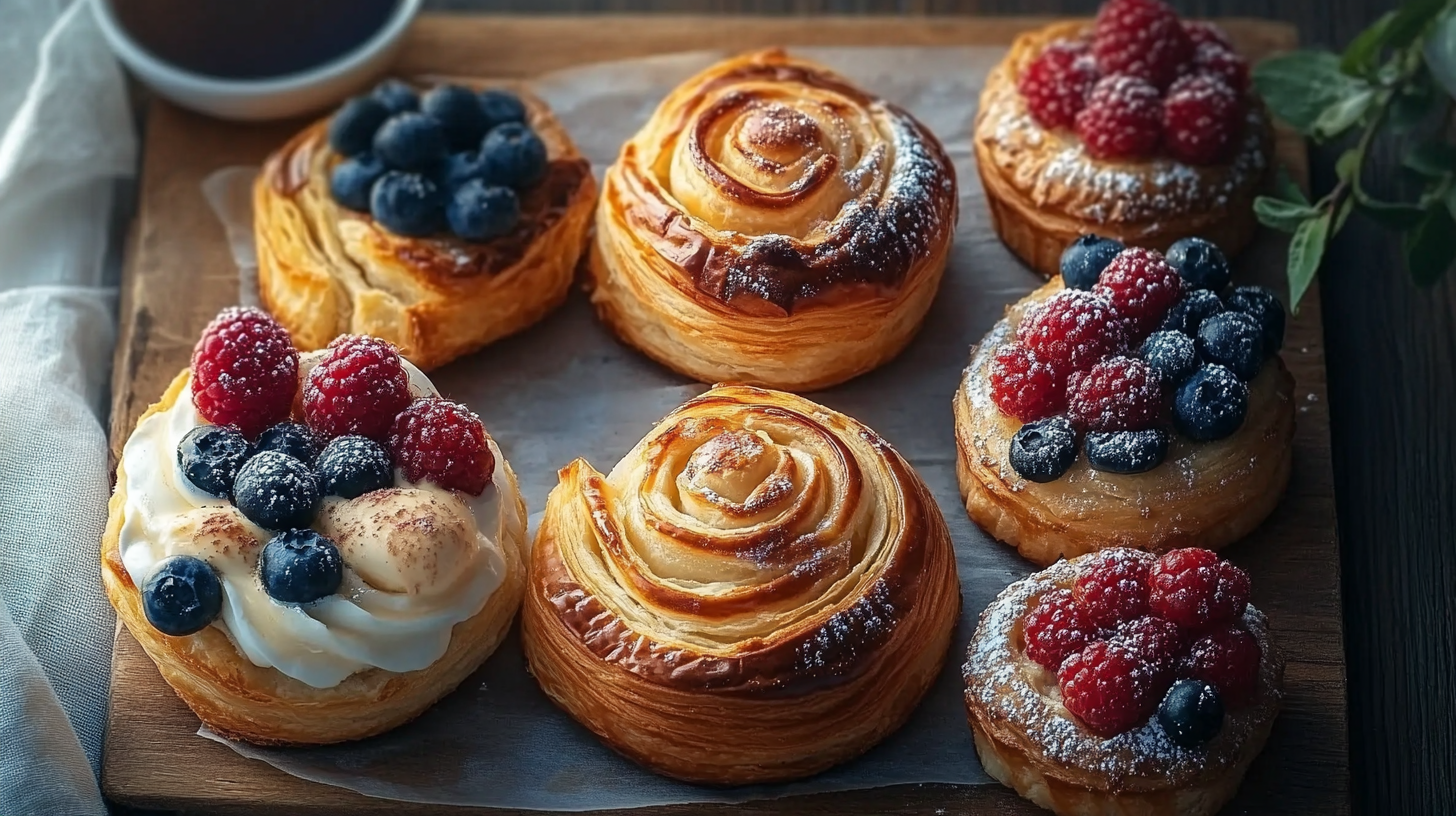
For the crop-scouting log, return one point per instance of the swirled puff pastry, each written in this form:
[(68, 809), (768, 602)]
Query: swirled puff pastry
[(773, 225), (325, 270), (761, 589)]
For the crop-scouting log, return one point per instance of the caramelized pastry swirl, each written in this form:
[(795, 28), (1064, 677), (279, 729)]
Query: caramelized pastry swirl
[(759, 571)]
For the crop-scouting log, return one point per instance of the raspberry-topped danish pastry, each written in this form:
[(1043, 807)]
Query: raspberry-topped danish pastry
[(1142, 127), (1124, 683), (1127, 404)]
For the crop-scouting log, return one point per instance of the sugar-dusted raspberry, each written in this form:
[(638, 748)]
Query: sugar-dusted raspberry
[(1112, 588), (244, 371), (1227, 659), (1202, 119), (1200, 32), (1023, 386), (1224, 63), (1109, 688), (1194, 588), (1142, 38), (1142, 287), (1159, 643), (1056, 83), (1116, 394), (358, 388), (1123, 118), (1072, 329), (1055, 628), (435, 440)]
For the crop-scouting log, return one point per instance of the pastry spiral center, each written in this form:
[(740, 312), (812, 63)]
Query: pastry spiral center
[(737, 474)]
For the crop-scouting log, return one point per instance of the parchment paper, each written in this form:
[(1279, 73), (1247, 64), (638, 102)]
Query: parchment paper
[(567, 388)]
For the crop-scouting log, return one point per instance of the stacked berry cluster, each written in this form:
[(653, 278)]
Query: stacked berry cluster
[(1144, 80), (360, 423), (1134, 631), (1135, 344), (450, 158)]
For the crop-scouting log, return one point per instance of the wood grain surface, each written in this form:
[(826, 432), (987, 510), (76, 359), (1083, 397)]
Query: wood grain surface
[(179, 275)]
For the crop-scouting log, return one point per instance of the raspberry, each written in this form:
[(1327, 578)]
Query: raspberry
[(1055, 628), (1155, 641), (1201, 33), (1071, 330), (1142, 38), (1123, 119), (439, 441), (1056, 83), (357, 389), (1113, 588), (1211, 58), (1109, 688), (1116, 394), (1227, 659), (244, 371), (1023, 386), (1202, 119), (1194, 588), (1142, 287)]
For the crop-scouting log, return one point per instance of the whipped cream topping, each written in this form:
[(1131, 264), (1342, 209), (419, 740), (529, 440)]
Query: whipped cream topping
[(418, 558)]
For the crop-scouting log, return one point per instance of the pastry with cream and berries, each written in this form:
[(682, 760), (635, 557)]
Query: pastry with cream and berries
[(440, 221), (1138, 400), (312, 548), (1121, 682), (1140, 126)]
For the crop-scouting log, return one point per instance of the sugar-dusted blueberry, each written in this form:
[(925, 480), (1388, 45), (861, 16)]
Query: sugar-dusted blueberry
[(292, 438), (1126, 451), (1211, 404), (277, 492), (459, 112), (181, 595), (351, 466), (300, 566), (1172, 354), (410, 141), (514, 155), (1191, 713), (1232, 339), (352, 129), (1201, 264), (1043, 450), (1260, 303), (210, 457), (352, 180), (501, 107), (1191, 310), (479, 212), (408, 204), (461, 167), (1086, 257), (396, 96)]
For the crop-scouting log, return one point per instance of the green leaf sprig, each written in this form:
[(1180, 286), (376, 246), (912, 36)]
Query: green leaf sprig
[(1388, 80)]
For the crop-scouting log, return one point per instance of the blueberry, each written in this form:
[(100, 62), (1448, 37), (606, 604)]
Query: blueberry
[(210, 457), (410, 141), (460, 168), (514, 155), (1172, 354), (501, 107), (1261, 304), (459, 112), (276, 491), (481, 213), (352, 129), (1191, 310), (1234, 340), (396, 96), (408, 204), (1126, 451), (1191, 713), (291, 438), (182, 595), (1201, 264), (300, 566), (351, 466), (1211, 404), (1084, 260), (352, 180), (1043, 450)]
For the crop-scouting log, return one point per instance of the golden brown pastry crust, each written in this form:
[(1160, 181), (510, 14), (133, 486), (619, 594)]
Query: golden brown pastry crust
[(1044, 191), (325, 270), (1028, 741), (761, 589), (243, 701), (773, 225), (1206, 494)]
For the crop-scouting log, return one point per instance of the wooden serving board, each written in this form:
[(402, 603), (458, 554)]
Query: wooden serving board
[(179, 274)]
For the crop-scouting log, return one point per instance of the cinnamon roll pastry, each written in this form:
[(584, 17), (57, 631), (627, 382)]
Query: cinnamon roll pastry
[(774, 225), (761, 589)]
